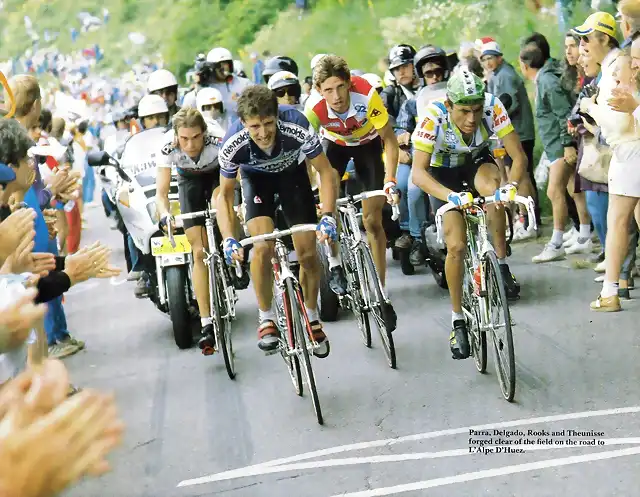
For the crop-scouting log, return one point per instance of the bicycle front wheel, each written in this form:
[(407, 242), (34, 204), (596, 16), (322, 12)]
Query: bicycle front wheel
[(357, 293), (500, 327), (221, 316), (376, 301), (286, 325), (302, 335)]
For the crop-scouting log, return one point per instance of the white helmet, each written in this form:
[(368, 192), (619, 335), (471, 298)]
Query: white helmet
[(161, 79), (316, 59), (150, 105), (282, 78), (208, 96), (238, 66), (218, 55), (374, 80)]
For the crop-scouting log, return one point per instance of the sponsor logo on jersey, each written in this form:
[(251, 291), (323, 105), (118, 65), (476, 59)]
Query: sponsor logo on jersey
[(293, 131), (497, 110), (498, 120), (428, 125), (231, 147), (333, 124), (450, 137), (375, 113), (360, 108), (426, 136)]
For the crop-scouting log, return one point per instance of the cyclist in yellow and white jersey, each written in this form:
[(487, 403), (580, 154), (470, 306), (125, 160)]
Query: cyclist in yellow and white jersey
[(451, 148)]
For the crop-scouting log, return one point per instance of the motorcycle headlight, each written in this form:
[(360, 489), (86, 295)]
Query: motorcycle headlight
[(152, 209)]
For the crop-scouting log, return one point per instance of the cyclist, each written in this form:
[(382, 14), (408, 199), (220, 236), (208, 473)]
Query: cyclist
[(165, 84), (193, 150), (354, 124), (153, 111), (210, 105), (217, 72), (451, 147), (287, 89), (268, 145)]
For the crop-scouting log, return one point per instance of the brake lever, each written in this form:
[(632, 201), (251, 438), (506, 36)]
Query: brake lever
[(170, 234)]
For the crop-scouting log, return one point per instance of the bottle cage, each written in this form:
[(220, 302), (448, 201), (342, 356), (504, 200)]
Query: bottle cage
[(9, 94)]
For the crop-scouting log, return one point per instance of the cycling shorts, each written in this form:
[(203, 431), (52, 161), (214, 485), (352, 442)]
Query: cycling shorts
[(367, 159), (194, 191), (263, 192)]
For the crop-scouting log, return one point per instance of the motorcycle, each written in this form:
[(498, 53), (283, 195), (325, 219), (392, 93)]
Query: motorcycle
[(168, 267)]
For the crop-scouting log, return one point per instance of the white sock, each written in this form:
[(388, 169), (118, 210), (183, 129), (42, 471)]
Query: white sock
[(556, 237), (204, 321), (585, 231), (502, 261), (456, 316), (334, 261), (266, 315), (609, 289), (312, 314)]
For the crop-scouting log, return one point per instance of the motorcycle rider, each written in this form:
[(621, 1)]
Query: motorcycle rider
[(277, 64), (153, 111), (210, 105), (286, 86), (165, 84), (217, 72)]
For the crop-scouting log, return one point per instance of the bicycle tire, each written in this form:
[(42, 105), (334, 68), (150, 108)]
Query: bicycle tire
[(495, 288), (357, 299), (302, 333), (223, 325), (372, 280), (477, 337), (283, 306)]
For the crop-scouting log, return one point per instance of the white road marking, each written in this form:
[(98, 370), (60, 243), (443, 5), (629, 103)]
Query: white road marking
[(250, 470), (492, 473), (115, 282), (414, 456)]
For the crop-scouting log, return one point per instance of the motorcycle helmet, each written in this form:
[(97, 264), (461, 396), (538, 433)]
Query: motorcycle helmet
[(219, 55), (150, 105), (209, 96), (431, 53), (374, 80), (279, 63), (356, 72), (281, 79), (161, 79), (401, 55), (316, 59)]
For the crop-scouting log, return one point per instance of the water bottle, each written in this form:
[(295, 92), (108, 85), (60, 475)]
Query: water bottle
[(477, 280)]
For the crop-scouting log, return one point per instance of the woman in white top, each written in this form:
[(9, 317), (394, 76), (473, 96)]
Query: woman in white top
[(621, 133)]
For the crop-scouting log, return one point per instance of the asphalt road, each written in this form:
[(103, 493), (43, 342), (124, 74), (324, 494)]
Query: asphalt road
[(403, 432)]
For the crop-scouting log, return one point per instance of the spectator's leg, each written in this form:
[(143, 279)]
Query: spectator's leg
[(597, 204), (75, 229), (418, 209), (106, 204), (528, 146), (88, 184), (402, 176), (630, 259)]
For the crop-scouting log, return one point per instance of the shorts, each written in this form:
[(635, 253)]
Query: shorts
[(194, 192), (263, 192), (367, 159), (454, 177)]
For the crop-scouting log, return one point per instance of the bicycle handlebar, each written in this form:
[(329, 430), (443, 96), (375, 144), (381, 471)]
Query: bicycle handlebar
[(526, 201), (278, 234), (194, 215), (365, 195)]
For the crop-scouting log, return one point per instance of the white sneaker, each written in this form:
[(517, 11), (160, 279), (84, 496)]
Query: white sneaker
[(569, 234), (134, 275), (572, 239), (549, 253), (580, 248), (599, 279), (601, 267), (523, 233)]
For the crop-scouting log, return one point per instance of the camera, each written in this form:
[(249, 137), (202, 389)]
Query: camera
[(575, 118), (206, 73)]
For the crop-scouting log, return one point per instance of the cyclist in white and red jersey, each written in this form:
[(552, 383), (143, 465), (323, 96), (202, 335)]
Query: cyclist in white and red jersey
[(354, 124)]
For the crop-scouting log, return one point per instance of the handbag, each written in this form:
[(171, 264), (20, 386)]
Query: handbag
[(594, 164)]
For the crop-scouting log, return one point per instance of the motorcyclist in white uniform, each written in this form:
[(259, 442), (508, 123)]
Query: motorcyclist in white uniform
[(164, 84)]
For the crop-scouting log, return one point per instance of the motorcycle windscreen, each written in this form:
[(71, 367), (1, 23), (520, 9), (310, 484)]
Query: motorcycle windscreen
[(139, 157)]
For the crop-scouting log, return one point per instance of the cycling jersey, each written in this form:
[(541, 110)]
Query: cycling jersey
[(438, 136), (295, 140), (172, 156), (366, 115)]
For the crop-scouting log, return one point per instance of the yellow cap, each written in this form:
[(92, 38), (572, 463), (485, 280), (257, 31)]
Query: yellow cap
[(598, 21)]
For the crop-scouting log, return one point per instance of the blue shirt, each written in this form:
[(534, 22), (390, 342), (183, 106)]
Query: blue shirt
[(295, 140), (258, 67)]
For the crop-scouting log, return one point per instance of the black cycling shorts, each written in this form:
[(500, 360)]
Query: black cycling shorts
[(367, 160), (261, 193), (454, 177), (194, 191)]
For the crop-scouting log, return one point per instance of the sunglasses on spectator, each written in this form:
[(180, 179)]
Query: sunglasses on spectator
[(433, 73), (292, 90)]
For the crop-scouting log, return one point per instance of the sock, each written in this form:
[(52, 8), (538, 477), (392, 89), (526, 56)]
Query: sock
[(334, 261), (204, 321), (502, 261), (609, 289), (585, 231), (312, 314), (556, 237), (266, 315), (456, 316)]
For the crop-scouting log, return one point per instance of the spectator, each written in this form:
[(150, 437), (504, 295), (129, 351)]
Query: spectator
[(258, 67), (504, 83), (553, 106)]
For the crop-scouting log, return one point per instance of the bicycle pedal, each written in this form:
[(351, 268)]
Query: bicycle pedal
[(207, 351)]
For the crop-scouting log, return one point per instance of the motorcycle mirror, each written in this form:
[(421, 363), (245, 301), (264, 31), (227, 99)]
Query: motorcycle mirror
[(98, 158)]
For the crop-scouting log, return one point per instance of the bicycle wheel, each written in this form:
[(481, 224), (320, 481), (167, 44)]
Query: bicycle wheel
[(356, 294), (222, 316), (286, 325), (376, 300), (500, 320), (303, 337), (477, 336)]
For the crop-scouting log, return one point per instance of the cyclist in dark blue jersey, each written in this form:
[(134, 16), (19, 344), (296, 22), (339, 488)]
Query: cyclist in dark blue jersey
[(269, 145)]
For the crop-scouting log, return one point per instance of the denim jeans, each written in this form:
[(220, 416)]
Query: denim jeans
[(55, 321), (597, 205), (630, 260), (88, 184), (136, 255), (108, 205), (402, 176), (417, 201)]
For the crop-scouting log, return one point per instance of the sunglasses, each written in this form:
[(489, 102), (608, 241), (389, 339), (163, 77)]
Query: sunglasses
[(292, 90), (433, 73)]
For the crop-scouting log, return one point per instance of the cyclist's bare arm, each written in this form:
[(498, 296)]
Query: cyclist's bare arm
[(225, 215), (514, 148), (422, 178), (327, 182), (391, 150), (163, 186)]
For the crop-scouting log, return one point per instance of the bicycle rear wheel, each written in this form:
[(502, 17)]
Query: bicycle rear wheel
[(222, 317), (303, 337), (286, 325), (500, 319), (376, 301)]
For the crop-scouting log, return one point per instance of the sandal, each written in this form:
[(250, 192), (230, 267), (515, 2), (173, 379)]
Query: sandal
[(320, 338)]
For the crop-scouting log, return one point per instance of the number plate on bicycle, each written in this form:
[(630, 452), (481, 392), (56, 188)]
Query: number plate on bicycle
[(160, 245)]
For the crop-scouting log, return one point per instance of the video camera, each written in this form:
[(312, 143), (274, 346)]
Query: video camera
[(575, 118), (205, 71)]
